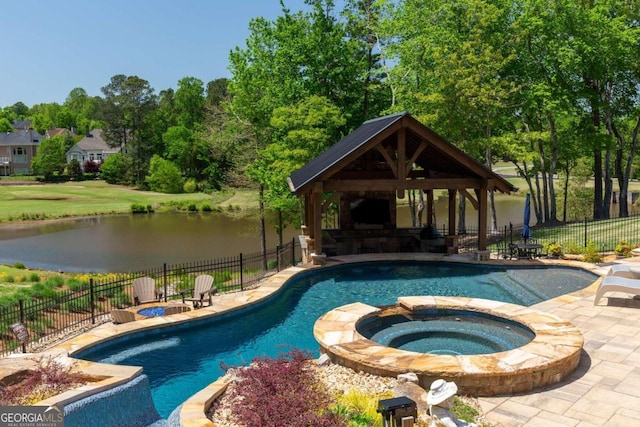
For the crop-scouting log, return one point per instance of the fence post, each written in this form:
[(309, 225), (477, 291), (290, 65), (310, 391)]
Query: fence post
[(24, 344), (293, 251), (92, 300), (164, 279), (241, 278), (585, 231)]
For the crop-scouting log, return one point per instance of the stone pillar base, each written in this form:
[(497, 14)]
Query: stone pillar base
[(482, 255), (319, 259)]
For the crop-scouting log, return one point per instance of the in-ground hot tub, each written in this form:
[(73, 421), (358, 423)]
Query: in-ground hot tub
[(549, 356), (445, 331)]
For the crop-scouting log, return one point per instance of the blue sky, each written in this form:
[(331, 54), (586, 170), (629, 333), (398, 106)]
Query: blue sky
[(50, 47)]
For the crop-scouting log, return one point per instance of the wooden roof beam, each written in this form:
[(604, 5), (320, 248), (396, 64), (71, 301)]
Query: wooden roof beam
[(393, 185)]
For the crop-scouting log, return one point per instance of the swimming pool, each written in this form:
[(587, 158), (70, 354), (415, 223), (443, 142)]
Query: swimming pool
[(184, 359)]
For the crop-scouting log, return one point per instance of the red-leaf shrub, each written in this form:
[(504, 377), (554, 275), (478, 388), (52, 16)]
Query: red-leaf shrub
[(282, 392), (49, 378)]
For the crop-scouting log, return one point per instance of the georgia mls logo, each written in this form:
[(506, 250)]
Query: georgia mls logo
[(31, 416)]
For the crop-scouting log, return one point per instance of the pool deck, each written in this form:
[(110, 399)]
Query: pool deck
[(601, 392)]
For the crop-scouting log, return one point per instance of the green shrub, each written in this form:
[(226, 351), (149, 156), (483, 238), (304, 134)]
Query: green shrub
[(55, 281), (34, 277), (138, 208), (572, 248), (164, 176), (623, 249), (591, 254), (205, 207), (10, 279), (464, 412), (192, 207), (553, 249), (117, 169), (44, 290), (77, 285), (19, 265), (190, 186)]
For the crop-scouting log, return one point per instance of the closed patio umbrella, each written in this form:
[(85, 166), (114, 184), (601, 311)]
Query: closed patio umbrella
[(526, 231)]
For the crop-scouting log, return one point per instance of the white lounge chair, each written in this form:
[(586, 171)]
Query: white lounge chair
[(144, 291), (203, 288), (617, 284), (122, 316), (625, 270)]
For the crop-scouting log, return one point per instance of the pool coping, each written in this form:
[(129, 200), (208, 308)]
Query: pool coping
[(193, 411), (553, 353)]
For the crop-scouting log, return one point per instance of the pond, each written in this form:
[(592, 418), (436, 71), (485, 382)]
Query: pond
[(128, 243)]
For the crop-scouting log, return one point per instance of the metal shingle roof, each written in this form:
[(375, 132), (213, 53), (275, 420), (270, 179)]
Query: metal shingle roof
[(340, 150)]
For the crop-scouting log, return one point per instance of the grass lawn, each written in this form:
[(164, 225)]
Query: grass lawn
[(48, 201)]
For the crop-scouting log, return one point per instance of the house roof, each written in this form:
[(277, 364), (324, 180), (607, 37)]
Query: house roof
[(21, 124), (22, 137), (93, 142), (435, 157), (50, 133)]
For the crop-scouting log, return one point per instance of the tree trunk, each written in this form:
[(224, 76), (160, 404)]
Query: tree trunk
[(263, 230), (624, 174), (608, 185), (492, 200), (544, 204), (462, 223), (553, 210)]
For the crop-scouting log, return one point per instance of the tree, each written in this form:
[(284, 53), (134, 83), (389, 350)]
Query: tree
[(164, 176), (187, 150), (217, 92), (189, 102), (301, 132), (44, 116), (287, 60), (51, 157), (128, 106), (5, 125), (20, 110), (452, 57), (75, 170), (363, 28)]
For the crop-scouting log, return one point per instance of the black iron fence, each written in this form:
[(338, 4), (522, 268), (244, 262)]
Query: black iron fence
[(604, 235), (34, 323)]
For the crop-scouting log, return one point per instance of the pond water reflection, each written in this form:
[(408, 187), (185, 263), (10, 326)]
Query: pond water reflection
[(127, 243)]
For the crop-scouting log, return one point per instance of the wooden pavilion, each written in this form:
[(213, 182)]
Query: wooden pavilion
[(370, 168)]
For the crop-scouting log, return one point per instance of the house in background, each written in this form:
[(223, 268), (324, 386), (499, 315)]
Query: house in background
[(50, 133), (91, 148), (17, 149), (21, 125)]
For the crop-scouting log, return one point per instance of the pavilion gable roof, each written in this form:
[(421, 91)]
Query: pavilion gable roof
[(438, 158)]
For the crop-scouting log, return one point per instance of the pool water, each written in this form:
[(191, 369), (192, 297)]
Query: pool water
[(453, 332), (181, 360)]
